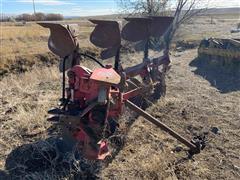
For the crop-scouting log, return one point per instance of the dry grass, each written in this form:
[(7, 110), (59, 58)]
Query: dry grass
[(24, 101), (22, 40), (208, 26), (192, 105), (28, 41), (148, 152)]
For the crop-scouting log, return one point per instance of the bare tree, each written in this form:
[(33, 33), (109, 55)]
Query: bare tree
[(24, 17), (146, 7), (182, 10), (39, 16), (54, 17), (185, 10)]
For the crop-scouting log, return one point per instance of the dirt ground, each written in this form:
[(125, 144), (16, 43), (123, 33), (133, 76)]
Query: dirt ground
[(192, 105), (201, 99)]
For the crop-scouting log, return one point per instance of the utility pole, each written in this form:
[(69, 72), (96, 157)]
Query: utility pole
[(34, 9)]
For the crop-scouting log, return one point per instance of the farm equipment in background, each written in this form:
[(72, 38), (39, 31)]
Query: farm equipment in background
[(224, 51), (94, 99)]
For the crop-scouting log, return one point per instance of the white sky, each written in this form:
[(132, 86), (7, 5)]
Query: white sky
[(88, 7), (221, 3)]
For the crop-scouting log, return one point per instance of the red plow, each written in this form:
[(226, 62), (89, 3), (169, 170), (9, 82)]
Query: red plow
[(93, 100)]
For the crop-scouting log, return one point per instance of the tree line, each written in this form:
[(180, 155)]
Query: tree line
[(34, 17)]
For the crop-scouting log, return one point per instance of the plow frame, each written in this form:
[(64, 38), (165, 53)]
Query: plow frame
[(112, 81)]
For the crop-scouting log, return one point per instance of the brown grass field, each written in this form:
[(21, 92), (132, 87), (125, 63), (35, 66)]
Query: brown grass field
[(23, 44), (198, 99)]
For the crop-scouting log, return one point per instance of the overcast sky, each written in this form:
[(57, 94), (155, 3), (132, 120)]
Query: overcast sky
[(81, 7)]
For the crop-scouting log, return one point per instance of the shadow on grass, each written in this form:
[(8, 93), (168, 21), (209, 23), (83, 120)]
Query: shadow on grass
[(48, 159), (3, 175), (221, 75), (54, 159)]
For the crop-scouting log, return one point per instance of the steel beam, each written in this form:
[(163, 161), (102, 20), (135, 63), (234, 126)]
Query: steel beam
[(160, 125)]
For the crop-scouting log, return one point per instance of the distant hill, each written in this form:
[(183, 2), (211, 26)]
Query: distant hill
[(112, 16), (212, 11), (223, 11)]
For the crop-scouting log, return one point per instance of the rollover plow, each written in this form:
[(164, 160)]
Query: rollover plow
[(93, 100)]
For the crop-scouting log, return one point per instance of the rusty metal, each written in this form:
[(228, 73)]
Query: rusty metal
[(106, 35), (160, 125), (136, 29), (141, 30), (110, 52), (159, 25), (63, 46)]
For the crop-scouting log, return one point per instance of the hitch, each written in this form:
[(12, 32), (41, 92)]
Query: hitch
[(200, 143), (195, 146)]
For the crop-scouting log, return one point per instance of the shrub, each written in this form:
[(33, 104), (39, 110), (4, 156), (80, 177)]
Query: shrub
[(54, 17), (25, 17), (39, 17)]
